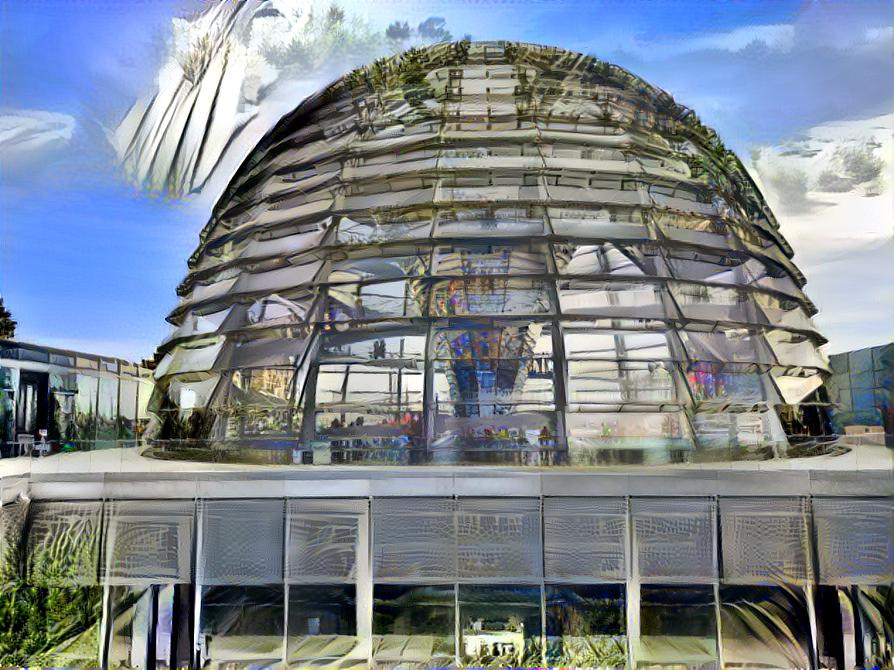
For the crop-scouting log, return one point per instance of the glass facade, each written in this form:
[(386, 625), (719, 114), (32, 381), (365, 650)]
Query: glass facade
[(526, 257), (331, 583), (83, 402)]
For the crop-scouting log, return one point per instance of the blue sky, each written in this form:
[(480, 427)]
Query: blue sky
[(89, 261)]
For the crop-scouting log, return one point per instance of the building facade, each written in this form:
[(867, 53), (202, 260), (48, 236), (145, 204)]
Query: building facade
[(490, 355), (71, 400)]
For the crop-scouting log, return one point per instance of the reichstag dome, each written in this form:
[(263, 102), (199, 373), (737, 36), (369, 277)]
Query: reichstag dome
[(492, 253)]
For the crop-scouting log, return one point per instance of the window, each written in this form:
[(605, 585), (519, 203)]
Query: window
[(678, 628), (500, 625), (414, 625), (586, 626)]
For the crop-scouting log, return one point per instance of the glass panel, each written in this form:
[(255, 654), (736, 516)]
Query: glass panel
[(414, 539), (713, 383), (366, 408), (491, 222), (355, 346), (107, 413), (875, 608), (384, 228), (375, 301), (620, 383), (611, 299), (242, 541), (148, 541), (241, 626), (413, 626), (127, 409), (765, 540), (145, 393), (855, 540), (652, 438), (173, 626), (764, 627), (369, 386), (585, 539), (63, 543), (678, 628), (466, 261), (260, 400), (324, 540), (586, 626), (390, 267), (518, 437), (130, 620), (323, 627), (499, 539), (500, 625), (674, 539), (85, 408), (613, 345), (489, 296), (12, 535)]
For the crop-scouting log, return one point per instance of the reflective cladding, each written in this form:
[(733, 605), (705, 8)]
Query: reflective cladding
[(527, 257), (431, 582)]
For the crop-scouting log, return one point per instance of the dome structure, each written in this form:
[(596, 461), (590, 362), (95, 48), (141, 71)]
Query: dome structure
[(492, 252)]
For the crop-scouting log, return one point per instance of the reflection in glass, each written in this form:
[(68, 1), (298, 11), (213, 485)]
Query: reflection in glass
[(127, 409), (107, 413), (130, 622), (875, 607), (322, 626), (678, 628), (500, 625), (586, 626), (54, 627), (241, 626), (85, 408), (413, 626), (764, 626)]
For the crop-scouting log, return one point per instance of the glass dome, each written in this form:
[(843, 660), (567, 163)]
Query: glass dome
[(491, 253)]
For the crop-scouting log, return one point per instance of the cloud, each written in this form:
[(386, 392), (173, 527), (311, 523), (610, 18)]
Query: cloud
[(28, 136), (837, 214), (777, 37)]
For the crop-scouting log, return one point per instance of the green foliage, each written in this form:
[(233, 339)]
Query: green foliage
[(591, 651), (7, 324), (529, 657), (49, 626)]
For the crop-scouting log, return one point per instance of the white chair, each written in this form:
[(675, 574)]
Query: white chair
[(43, 448)]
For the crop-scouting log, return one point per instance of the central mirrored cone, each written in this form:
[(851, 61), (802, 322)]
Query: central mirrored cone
[(491, 252)]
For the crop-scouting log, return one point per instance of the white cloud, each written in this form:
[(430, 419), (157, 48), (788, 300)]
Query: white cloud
[(884, 35), (777, 37), (841, 231), (27, 135)]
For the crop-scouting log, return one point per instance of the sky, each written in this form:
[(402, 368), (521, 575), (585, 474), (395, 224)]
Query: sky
[(90, 261)]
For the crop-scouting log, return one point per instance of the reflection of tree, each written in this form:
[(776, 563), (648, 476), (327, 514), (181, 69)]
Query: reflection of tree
[(433, 29), (47, 625)]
